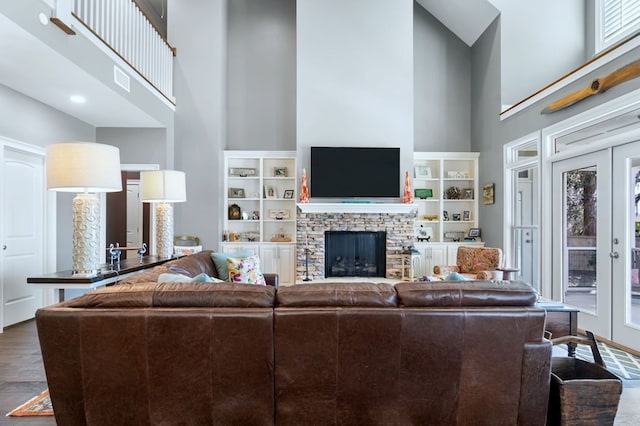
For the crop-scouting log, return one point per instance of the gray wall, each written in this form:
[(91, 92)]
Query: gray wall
[(26, 120), (541, 41), (261, 75), (489, 134), (137, 145), (442, 86), (355, 76), (198, 29)]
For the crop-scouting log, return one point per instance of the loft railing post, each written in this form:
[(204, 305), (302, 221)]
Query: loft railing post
[(62, 16)]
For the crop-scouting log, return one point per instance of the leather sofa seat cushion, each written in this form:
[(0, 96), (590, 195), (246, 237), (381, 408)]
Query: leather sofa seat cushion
[(177, 294), (465, 293), (337, 294)]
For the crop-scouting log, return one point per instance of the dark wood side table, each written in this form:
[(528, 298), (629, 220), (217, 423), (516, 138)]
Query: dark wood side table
[(63, 280), (562, 320)]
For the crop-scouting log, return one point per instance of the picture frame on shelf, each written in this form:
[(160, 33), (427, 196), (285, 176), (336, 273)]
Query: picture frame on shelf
[(488, 193), (423, 172), (288, 194), (242, 171), (280, 171), (445, 215), (236, 193), (270, 192), (467, 194), (423, 193), (474, 232), (466, 215), (456, 217), (279, 214), (255, 215)]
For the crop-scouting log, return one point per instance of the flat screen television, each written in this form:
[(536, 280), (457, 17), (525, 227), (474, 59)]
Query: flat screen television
[(353, 172)]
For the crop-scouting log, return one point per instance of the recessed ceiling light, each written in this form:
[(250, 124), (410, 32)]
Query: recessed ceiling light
[(43, 18), (77, 99)]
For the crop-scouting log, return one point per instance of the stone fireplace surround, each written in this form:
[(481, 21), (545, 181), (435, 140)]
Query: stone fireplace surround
[(315, 218)]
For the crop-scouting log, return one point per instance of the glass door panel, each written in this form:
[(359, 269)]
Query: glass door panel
[(581, 228), (625, 245)]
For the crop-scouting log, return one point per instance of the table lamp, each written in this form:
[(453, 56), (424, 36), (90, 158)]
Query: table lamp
[(163, 187), (86, 168)]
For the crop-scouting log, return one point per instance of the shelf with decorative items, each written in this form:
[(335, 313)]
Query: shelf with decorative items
[(260, 202), (445, 193)]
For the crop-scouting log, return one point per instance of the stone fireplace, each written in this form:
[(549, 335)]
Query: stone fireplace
[(315, 220)]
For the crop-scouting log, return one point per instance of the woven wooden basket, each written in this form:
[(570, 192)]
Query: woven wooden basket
[(582, 393)]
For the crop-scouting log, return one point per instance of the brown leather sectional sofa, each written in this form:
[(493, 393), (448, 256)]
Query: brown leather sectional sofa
[(327, 353)]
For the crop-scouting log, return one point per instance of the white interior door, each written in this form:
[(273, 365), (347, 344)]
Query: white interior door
[(582, 238), (22, 202), (134, 214), (625, 245)]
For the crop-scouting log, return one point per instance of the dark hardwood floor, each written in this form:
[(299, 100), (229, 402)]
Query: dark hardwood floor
[(21, 372)]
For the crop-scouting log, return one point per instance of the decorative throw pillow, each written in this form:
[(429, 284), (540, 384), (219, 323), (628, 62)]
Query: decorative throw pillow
[(455, 276), (245, 270), (220, 260)]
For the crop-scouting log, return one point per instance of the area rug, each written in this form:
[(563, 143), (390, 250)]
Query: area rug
[(624, 365), (39, 405)]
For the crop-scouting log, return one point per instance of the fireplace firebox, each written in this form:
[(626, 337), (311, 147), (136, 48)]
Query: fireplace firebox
[(355, 254)]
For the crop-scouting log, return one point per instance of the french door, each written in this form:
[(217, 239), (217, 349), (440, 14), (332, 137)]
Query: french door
[(595, 266)]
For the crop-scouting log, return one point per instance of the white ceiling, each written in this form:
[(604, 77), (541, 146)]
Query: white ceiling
[(465, 18), (29, 66)]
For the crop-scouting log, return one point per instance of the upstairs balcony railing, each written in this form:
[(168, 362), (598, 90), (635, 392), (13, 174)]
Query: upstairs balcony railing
[(125, 29)]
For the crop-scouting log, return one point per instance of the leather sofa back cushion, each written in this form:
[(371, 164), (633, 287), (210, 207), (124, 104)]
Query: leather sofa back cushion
[(177, 294), (337, 294), (466, 293)]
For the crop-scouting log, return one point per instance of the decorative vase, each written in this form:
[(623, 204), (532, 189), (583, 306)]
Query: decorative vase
[(304, 189), (408, 197)]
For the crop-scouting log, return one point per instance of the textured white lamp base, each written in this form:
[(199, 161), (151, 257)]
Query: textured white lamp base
[(164, 230), (86, 235)]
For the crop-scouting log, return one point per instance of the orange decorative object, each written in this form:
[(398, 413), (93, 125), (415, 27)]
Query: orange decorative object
[(304, 188), (408, 197)]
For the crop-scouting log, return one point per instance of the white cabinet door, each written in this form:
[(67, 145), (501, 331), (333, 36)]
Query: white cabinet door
[(279, 259), (430, 255)]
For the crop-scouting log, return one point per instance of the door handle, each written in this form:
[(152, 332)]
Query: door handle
[(614, 255), (4, 247)]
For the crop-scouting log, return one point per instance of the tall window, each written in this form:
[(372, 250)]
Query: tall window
[(615, 20)]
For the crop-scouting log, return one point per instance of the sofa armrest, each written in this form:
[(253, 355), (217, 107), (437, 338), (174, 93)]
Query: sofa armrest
[(271, 279), (445, 269)]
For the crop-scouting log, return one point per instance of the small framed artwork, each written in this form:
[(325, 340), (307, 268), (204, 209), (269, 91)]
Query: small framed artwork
[(423, 172), (270, 192), (467, 194), (488, 193), (474, 232), (280, 172), (466, 215), (458, 175), (445, 215), (236, 192), (279, 214), (288, 194), (456, 216)]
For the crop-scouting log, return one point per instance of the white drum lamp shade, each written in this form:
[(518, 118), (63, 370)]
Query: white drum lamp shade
[(163, 187), (86, 168)]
